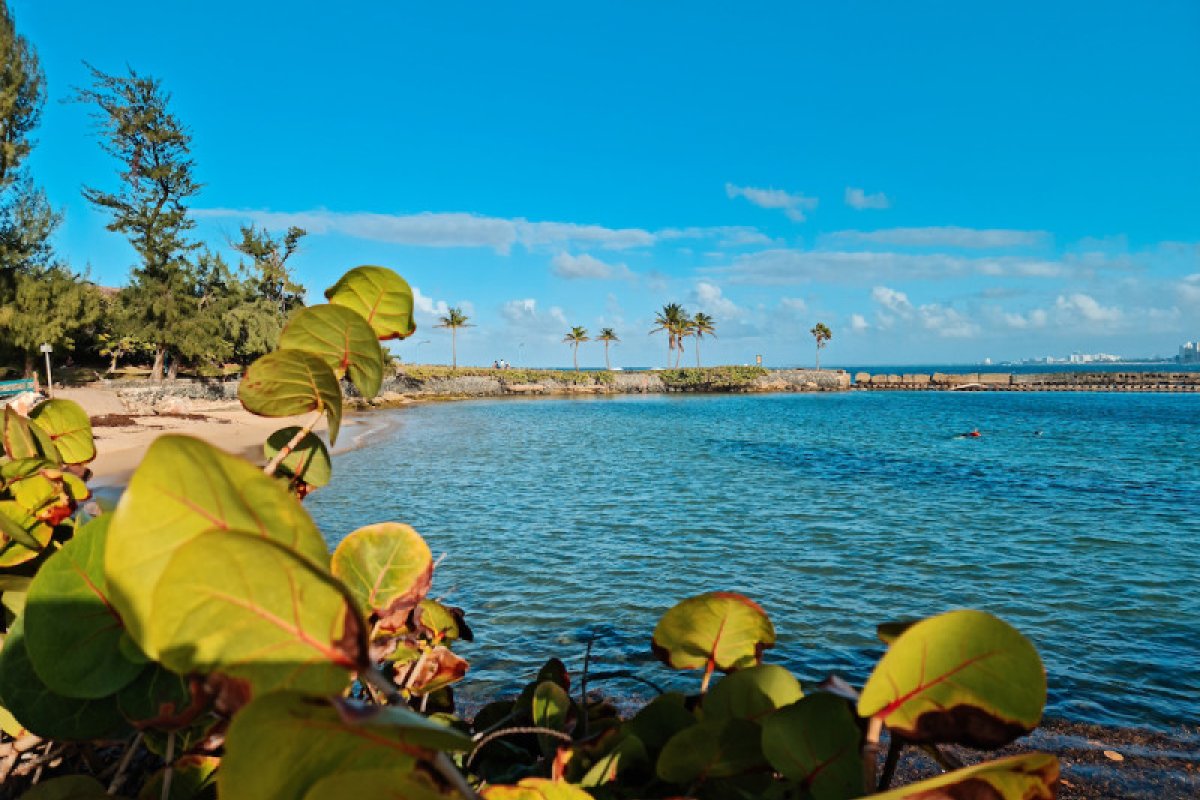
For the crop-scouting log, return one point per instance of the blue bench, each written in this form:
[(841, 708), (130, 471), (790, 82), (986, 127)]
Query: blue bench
[(16, 387)]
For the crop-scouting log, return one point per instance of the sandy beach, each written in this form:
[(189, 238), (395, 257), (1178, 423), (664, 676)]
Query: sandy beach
[(123, 437)]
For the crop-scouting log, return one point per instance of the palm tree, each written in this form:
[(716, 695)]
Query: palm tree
[(671, 319), (607, 335), (702, 324), (822, 334), (575, 337), (454, 320)]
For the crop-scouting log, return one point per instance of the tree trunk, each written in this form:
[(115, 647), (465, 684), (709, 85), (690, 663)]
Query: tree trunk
[(818, 356), (575, 355), (173, 371), (697, 352), (112, 367), (454, 349), (29, 365), (156, 372), (607, 365)]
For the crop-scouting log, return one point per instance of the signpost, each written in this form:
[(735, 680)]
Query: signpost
[(47, 349)]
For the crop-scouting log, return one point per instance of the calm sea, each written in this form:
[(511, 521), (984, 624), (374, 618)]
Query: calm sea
[(567, 518)]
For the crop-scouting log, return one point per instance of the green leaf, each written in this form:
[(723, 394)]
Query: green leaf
[(72, 631), (281, 744), (184, 487), (378, 784), (44, 712), (816, 743), (13, 527), (387, 567), (194, 778), (23, 440), (963, 677), (1030, 776), (441, 623), (68, 787), (343, 339), (550, 708), (14, 553), (21, 468), (68, 426), (711, 749), (248, 607), (379, 296), (718, 629), (290, 382), (536, 789), (309, 460), (660, 719), (752, 693)]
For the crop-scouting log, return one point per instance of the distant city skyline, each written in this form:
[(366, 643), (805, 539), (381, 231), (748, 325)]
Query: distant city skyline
[(937, 183)]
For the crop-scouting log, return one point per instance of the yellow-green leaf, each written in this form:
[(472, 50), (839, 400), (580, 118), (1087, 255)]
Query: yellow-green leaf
[(68, 426), (721, 630), (248, 607), (378, 784), (183, 488), (711, 749), (816, 743), (308, 462), (23, 440), (752, 693), (536, 789), (289, 382), (387, 567), (964, 677), (343, 339), (380, 296)]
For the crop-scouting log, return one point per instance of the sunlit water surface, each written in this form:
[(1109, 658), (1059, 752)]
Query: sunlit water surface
[(567, 518)]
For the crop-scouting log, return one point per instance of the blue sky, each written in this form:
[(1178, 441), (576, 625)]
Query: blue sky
[(934, 181)]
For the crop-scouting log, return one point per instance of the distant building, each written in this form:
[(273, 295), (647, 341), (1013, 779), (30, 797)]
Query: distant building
[(1093, 358), (1189, 353)]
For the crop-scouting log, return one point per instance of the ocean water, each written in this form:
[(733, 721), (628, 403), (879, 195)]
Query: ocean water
[(563, 519)]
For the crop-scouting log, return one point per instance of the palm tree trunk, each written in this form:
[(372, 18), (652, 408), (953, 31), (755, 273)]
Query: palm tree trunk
[(818, 356), (607, 365), (697, 352), (454, 348), (575, 355)]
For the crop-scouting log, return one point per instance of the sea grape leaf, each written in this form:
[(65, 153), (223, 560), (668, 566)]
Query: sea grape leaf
[(343, 339), (282, 743), (536, 789), (711, 749), (13, 527), (438, 668), (248, 607), (24, 440), (752, 693), (44, 712), (440, 622), (309, 460), (550, 708), (44, 496), (194, 778), (72, 630), (377, 784), (815, 742), (69, 787), (719, 629), (623, 755), (21, 468), (660, 719), (289, 382), (184, 487), (387, 567), (379, 296), (1029, 776), (963, 677), (68, 426), (13, 552)]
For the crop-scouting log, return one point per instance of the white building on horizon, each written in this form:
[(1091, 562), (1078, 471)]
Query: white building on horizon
[(1189, 353)]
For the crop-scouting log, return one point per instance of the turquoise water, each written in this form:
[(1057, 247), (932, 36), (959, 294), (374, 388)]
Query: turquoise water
[(564, 518)]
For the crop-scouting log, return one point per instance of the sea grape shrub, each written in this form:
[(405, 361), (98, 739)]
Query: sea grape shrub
[(206, 614)]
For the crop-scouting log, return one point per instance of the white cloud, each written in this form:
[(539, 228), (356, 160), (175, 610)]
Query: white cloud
[(858, 322), (794, 205), (428, 306), (1087, 308), (1189, 289), (795, 304), (1037, 318), (859, 199), (709, 297), (891, 299), (517, 311), (568, 266), (936, 318), (945, 236), (524, 315), (726, 235)]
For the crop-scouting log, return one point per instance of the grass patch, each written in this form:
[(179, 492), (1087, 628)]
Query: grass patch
[(711, 377)]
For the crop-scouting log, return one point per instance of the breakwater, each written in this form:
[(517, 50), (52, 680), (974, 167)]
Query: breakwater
[(1031, 382)]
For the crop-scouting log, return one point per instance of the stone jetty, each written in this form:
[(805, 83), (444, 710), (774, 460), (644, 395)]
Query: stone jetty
[(1031, 382)]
